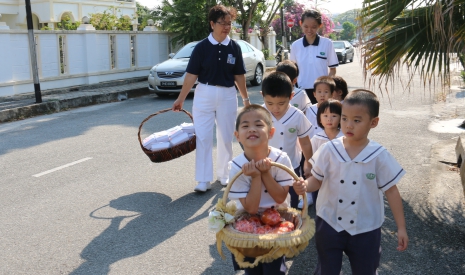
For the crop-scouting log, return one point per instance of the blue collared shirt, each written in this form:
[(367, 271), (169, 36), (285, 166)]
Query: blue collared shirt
[(216, 63)]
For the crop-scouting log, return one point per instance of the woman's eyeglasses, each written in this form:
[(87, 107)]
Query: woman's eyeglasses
[(224, 25)]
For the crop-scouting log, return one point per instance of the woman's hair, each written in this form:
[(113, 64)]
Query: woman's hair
[(219, 12), (335, 107), (311, 14), (288, 67), (341, 84), (259, 109)]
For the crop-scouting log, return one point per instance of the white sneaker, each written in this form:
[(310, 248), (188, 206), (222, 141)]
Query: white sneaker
[(203, 186), (223, 181)]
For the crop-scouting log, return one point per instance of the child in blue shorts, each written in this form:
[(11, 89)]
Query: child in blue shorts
[(352, 173)]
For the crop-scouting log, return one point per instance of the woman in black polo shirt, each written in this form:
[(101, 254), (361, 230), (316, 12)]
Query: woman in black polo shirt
[(217, 64)]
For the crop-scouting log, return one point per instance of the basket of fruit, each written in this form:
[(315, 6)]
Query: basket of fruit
[(270, 234)]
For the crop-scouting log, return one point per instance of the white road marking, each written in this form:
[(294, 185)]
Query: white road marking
[(61, 167)]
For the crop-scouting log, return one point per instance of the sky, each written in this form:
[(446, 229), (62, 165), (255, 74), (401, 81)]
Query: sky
[(334, 6)]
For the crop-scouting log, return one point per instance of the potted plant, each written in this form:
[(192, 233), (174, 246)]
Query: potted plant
[(269, 59)]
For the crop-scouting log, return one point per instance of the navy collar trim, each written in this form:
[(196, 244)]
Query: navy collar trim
[(316, 42)]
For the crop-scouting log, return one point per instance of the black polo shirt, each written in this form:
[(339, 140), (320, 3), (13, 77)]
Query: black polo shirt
[(216, 64)]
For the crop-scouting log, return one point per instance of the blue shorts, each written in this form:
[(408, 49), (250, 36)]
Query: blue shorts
[(273, 268), (363, 250)]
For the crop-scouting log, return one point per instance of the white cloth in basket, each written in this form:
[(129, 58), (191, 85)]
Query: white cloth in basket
[(159, 146), (188, 128), (179, 139)]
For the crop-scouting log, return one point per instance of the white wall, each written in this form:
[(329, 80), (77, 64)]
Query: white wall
[(87, 55)]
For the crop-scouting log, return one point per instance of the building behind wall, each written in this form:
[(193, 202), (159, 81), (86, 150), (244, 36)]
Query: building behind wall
[(50, 12)]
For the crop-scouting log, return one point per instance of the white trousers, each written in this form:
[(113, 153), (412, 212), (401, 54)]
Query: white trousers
[(213, 104)]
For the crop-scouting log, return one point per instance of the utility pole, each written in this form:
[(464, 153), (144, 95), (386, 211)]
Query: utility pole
[(32, 52), (283, 28)]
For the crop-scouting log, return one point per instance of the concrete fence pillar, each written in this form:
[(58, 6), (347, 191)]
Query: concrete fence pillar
[(91, 54), (6, 70), (272, 41)]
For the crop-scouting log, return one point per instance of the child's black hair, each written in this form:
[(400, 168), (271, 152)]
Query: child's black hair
[(288, 67), (277, 84), (341, 84), (257, 108), (366, 98), (328, 80), (311, 14), (335, 107)]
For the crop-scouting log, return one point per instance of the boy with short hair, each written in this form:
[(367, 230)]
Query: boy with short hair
[(341, 91), (300, 98), (290, 123), (352, 173), (261, 185)]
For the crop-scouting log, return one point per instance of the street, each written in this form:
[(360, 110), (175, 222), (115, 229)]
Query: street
[(80, 197)]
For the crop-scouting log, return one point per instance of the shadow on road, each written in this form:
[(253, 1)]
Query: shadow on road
[(143, 232)]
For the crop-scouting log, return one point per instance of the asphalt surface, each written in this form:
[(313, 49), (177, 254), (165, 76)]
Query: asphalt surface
[(80, 197)]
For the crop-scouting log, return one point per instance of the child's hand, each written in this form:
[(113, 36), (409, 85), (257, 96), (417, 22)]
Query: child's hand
[(250, 170), (402, 239), (263, 165), (300, 186)]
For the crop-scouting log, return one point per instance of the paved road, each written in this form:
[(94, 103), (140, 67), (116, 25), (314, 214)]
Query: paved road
[(80, 197)]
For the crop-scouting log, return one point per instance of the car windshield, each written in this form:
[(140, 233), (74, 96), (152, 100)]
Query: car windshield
[(339, 45), (185, 52)]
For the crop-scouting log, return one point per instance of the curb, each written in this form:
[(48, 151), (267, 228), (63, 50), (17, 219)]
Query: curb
[(57, 105)]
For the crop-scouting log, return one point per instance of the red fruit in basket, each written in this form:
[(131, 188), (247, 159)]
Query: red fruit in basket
[(282, 230), (287, 224), (255, 220), (264, 229), (245, 226), (271, 217)]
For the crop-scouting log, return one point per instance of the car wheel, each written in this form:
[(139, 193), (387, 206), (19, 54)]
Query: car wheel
[(344, 60), (352, 59), (258, 76)]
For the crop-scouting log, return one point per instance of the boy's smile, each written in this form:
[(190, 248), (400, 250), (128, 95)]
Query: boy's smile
[(277, 106), (253, 130)]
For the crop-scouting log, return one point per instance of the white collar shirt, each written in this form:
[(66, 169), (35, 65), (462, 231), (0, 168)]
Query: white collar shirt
[(300, 100), (311, 112), (292, 126), (321, 138), (212, 40), (351, 194), (313, 59), (241, 185)]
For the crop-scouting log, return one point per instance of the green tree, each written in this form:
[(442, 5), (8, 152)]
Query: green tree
[(66, 24), (419, 34), (248, 13), (348, 32), (348, 16), (108, 20), (186, 19)]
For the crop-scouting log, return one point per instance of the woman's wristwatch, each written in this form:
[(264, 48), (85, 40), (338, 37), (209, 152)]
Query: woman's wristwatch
[(246, 99)]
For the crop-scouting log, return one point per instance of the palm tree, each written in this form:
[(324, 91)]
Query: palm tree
[(422, 34)]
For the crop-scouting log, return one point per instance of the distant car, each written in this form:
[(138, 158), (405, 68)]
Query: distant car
[(167, 77), (344, 50), (354, 43)]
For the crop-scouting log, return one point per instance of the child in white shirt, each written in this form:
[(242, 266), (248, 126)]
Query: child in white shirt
[(292, 127), (352, 173), (261, 185)]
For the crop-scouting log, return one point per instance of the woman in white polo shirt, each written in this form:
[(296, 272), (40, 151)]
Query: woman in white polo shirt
[(217, 63), (314, 54)]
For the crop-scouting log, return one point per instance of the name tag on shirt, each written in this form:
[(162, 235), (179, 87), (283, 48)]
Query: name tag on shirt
[(231, 59)]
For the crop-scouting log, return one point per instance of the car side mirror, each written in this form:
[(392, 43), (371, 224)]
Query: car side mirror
[(347, 48), (170, 55)]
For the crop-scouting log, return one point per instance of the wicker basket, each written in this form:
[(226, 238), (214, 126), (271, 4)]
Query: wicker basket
[(172, 152), (266, 247)]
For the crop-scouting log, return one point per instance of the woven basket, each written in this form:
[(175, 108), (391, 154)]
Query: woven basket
[(170, 153), (266, 248)]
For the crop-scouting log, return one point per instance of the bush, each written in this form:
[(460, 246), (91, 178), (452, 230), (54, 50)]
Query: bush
[(266, 53)]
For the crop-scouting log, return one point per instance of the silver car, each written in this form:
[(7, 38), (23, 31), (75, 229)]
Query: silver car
[(167, 77)]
